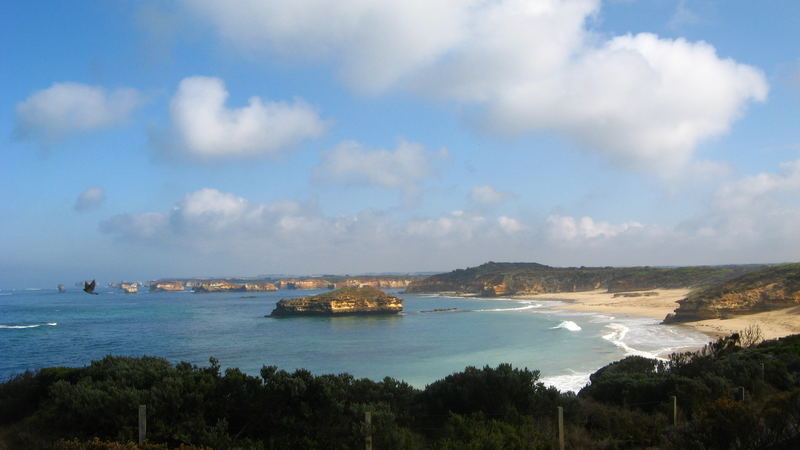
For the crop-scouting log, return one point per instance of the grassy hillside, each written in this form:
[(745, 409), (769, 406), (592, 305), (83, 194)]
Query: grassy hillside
[(531, 278)]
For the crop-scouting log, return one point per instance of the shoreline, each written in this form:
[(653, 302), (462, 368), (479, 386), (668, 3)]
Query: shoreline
[(773, 324), (656, 304)]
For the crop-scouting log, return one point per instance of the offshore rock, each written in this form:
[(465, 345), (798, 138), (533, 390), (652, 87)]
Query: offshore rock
[(364, 300)]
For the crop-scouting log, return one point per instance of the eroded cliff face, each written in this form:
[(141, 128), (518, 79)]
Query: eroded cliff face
[(732, 303), (164, 286), (228, 286), (130, 288), (367, 300), (763, 290)]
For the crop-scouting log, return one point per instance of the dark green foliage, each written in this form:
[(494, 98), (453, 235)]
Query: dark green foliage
[(627, 405), (530, 277)]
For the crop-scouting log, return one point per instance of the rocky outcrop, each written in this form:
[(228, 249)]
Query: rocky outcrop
[(337, 282), (305, 283), (498, 279), (166, 286), (129, 288), (228, 286), (61, 288), (345, 301), (260, 287), (763, 290)]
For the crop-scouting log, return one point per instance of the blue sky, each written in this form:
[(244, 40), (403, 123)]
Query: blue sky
[(202, 138)]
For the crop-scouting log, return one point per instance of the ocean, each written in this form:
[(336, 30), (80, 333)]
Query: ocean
[(43, 328)]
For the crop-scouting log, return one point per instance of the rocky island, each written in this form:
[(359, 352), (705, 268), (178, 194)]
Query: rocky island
[(344, 301)]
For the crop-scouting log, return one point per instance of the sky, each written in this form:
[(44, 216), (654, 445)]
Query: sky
[(153, 139)]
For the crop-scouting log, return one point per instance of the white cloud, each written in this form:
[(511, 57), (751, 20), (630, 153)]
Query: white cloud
[(66, 108), (641, 100), (566, 228), (242, 234), (214, 232), (751, 191), (401, 168), (204, 128), (510, 225), (378, 43), (91, 198), (485, 195)]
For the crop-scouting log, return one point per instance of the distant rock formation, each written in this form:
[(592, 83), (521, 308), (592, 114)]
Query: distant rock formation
[(337, 282), (344, 301), (129, 288), (228, 286), (763, 290), (61, 288), (166, 286)]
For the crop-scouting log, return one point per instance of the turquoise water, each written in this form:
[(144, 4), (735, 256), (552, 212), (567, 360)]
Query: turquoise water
[(41, 328)]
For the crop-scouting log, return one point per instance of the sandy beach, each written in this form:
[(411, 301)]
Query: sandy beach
[(773, 324)]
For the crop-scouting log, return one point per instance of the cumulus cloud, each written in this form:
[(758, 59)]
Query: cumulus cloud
[(641, 100), (751, 191), (209, 231), (485, 195), (378, 43), (91, 198), (297, 235), (66, 108), (204, 128), (401, 168), (566, 228)]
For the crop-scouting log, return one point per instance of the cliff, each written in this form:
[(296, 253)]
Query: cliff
[(763, 290), (228, 286), (496, 279), (129, 288), (165, 286), (337, 282), (366, 300)]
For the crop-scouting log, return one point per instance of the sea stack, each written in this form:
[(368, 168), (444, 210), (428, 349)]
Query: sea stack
[(344, 301), (61, 288)]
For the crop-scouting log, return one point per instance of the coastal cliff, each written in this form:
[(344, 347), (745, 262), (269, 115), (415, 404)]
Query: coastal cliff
[(166, 286), (228, 286), (763, 290), (344, 301), (496, 279)]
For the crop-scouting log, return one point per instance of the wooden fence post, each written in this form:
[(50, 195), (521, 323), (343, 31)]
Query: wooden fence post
[(674, 410), (142, 423), (561, 428), (368, 430)]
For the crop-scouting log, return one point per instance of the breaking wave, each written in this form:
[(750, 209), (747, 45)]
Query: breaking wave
[(528, 305), (574, 381), (51, 324), (568, 325)]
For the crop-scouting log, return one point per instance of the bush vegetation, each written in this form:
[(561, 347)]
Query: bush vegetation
[(627, 405)]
